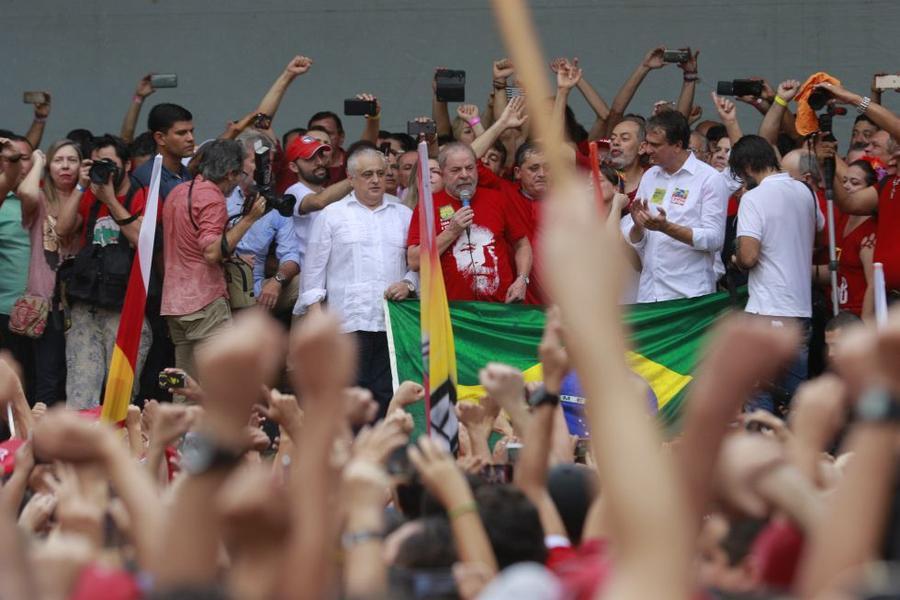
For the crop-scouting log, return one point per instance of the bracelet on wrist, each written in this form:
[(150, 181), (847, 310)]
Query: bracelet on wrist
[(863, 105), (137, 99), (691, 77), (126, 220), (780, 101), (373, 117), (474, 122), (81, 189), (38, 119), (462, 509)]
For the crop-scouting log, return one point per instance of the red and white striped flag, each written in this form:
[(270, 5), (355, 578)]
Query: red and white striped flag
[(120, 380)]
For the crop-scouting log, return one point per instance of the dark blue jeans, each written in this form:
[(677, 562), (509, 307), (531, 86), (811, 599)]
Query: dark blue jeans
[(783, 389)]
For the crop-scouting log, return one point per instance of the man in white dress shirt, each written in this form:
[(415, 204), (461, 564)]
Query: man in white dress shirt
[(677, 221), (355, 258)]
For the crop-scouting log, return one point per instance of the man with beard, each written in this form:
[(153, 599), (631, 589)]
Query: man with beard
[(777, 224), (626, 150), (309, 158), (475, 238)]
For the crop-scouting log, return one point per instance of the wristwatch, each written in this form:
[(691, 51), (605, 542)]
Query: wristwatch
[(410, 286), (280, 278), (877, 405), (541, 397), (526, 278), (201, 454)]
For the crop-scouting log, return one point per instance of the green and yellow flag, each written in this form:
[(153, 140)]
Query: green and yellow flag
[(666, 338)]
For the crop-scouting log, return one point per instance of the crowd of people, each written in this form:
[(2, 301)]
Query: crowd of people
[(267, 452)]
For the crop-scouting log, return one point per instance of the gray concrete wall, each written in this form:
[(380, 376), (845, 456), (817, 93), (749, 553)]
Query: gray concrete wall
[(90, 53)]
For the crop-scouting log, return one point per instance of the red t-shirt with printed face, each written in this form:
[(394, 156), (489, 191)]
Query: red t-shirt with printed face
[(887, 247), (851, 277), (478, 265)]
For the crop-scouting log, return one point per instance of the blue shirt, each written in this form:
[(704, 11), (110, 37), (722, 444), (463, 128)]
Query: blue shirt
[(258, 239), (167, 181)]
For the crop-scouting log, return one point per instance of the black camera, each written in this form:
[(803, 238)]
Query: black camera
[(740, 87), (676, 56), (101, 170), (818, 98), (415, 128), (263, 185), (450, 85), (356, 107), (171, 380)]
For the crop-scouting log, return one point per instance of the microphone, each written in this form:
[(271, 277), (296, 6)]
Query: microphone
[(465, 196)]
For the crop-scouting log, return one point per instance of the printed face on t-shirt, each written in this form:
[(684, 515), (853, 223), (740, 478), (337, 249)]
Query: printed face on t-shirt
[(476, 259)]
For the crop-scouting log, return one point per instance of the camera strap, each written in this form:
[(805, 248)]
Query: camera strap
[(226, 252)]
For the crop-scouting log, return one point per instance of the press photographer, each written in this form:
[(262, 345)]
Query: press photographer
[(197, 245), (279, 291), (106, 219)]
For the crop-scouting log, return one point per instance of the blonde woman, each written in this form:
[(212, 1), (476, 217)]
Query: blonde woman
[(52, 180)]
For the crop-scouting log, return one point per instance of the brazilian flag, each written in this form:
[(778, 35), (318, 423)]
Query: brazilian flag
[(666, 339)]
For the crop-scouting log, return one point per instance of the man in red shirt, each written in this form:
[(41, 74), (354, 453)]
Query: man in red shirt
[(525, 194), (194, 297), (882, 198), (475, 240)]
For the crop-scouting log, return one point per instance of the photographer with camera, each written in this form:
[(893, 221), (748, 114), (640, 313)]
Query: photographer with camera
[(196, 244), (279, 292), (106, 218)]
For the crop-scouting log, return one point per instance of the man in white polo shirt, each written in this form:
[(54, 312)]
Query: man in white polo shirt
[(677, 221), (776, 231)]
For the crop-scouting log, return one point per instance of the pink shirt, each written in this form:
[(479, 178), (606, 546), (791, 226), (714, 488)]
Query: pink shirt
[(191, 283), (41, 274)]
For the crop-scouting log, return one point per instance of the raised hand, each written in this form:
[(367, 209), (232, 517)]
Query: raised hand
[(170, 422), (144, 88), (690, 65), (503, 69), (282, 409), (654, 58), (375, 444), (788, 89), (514, 116), (553, 355), (559, 63), (370, 98), (408, 393), (725, 108), (298, 66), (439, 473), (568, 77), (467, 112), (42, 110), (504, 384)]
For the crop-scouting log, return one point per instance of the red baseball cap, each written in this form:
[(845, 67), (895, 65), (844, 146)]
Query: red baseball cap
[(305, 147)]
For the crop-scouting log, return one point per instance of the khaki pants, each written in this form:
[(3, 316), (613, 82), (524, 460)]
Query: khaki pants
[(187, 331), (288, 296)]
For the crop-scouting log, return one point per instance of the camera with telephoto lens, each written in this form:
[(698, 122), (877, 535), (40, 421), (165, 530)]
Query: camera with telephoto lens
[(101, 170), (740, 87), (263, 185)]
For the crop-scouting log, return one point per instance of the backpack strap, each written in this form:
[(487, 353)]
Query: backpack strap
[(92, 221)]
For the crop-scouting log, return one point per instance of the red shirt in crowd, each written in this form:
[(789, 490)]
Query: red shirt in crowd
[(887, 246), (851, 277), (105, 227), (190, 282), (479, 264), (528, 212)]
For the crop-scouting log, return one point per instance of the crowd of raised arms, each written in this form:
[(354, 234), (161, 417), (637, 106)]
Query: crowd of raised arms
[(268, 451)]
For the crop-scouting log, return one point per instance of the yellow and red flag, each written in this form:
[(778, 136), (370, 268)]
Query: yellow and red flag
[(438, 353), (120, 380)]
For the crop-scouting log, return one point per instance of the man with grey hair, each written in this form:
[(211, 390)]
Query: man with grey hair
[(279, 292), (626, 149), (476, 227), (355, 259), (195, 243)]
